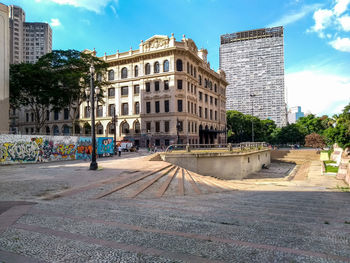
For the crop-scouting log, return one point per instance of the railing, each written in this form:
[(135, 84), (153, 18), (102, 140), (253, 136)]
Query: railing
[(218, 147)]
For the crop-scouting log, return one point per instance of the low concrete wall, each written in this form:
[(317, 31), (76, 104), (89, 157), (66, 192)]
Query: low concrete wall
[(221, 165), (33, 149)]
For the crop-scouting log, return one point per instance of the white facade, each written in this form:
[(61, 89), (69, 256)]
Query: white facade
[(4, 68), (254, 65)]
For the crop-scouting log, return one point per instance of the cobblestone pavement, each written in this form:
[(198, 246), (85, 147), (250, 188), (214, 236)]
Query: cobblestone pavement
[(59, 212)]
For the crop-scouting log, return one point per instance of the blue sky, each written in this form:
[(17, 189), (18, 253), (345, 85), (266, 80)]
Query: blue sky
[(317, 34)]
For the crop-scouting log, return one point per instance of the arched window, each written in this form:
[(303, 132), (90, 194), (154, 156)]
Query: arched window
[(156, 67), (148, 69), (137, 108), (136, 71), (47, 130), (124, 73), (99, 128), (111, 74), (124, 127), (77, 129), (137, 127), (65, 130), (111, 128), (56, 130), (166, 66), (179, 65), (87, 128)]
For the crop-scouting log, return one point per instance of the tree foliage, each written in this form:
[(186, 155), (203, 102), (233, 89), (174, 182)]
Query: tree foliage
[(58, 80)]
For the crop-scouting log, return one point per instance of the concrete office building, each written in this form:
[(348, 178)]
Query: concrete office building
[(28, 41), (294, 113), (4, 68), (254, 65)]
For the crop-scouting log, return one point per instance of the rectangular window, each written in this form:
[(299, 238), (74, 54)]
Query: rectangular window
[(166, 105), (191, 88), (188, 126), (211, 100), (166, 142), (111, 109), (157, 126), (216, 115), (56, 113), (195, 108), (111, 92), (179, 105), (206, 97), (148, 126), (216, 101), (148, 87), (47, 115), (157, 106), (136, 89), (27, 117), (32, 116), (148, 107), (99, 111), (188, 106), (125, 109), (188, 86), (192, 107), (166, 126), (87, 112), (200, 95), (180, 125), (200, 111), (66, 114), (137, 108), (156, 86), (206, 113), (211, 114), (166, 84), (157, 142), (179, 84), (125, 91)]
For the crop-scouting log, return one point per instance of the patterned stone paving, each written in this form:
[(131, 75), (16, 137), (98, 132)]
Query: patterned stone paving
[(157, 212)]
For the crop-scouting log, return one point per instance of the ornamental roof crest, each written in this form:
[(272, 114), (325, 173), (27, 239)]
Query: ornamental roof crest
[(192, 46), (156, 42)]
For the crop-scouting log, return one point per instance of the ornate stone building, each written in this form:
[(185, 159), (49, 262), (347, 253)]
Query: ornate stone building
[(162, 93)]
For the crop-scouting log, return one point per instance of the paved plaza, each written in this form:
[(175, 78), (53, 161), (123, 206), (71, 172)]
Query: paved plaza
[(136, 210)]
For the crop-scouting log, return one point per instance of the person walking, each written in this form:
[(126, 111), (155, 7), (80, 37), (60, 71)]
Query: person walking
[(119, 150)]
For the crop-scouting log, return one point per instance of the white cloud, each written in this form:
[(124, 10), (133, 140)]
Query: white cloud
[(341, 44), (341, 6), (294, 16), (91, 5), (114, 11), (322, 19), (344, 21), (317, 92), (55, 22)]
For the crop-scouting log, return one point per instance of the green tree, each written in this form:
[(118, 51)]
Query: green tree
[(35, 87), (291, 134), (72, 70)]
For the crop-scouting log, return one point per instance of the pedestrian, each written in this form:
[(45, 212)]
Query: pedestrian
[(119, 150)]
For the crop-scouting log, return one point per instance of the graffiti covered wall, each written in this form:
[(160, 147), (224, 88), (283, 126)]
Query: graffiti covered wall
[(105, 146), (33, 149)]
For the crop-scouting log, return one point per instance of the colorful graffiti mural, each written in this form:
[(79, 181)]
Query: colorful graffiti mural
[(84, 148), (105, 146), (28, 149)]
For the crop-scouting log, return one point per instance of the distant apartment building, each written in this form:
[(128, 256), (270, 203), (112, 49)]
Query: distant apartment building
[(294, 113), (28, 41), (4, 68), (254, 65), (164, 92)]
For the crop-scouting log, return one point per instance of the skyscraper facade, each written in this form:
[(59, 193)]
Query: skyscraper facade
[(28, 41), (254, 65)]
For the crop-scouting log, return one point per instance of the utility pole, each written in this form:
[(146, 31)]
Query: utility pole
[(252, 95)]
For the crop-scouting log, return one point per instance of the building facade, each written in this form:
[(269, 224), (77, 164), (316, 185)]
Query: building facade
[(162, 93), (28, 41), (4, 68), (294, 113), (254, 65)]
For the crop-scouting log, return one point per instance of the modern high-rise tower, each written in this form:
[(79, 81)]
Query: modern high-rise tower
[(28, 41), (254, 65)]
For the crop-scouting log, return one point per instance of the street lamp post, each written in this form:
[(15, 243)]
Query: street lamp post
[(115, 130), (252, 99), (91, 92)]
